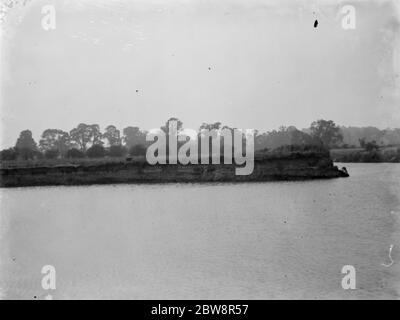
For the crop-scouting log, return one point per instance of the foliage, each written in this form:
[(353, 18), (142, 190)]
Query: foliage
[(25, 141), (55, 139), (88, 140), (112, 135), (165, 128), (133, 136), (327, 132), (85, 134)]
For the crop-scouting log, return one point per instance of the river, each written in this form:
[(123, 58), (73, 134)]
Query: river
[(267, 240)]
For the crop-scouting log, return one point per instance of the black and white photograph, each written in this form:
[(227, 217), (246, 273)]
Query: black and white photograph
[(199, 150)]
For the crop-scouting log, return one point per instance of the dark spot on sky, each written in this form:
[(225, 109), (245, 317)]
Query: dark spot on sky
[(137, 90), (209, 68), (315, 23)]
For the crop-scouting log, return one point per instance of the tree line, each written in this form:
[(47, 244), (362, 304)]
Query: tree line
[(87, 140), (83, 141)]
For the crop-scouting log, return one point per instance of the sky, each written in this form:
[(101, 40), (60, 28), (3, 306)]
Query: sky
[(254, 64)]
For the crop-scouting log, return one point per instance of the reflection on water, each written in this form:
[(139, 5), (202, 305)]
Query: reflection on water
[(203, 241)]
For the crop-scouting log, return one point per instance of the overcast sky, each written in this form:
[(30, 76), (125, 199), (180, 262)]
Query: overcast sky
[(248, 64)]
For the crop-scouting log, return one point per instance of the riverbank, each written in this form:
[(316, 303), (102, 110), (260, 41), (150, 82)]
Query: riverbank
[(267, 167), (382, 154)]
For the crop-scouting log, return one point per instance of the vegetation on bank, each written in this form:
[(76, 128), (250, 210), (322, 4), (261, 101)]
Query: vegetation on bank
[(88, 144), (286, 165), (381, 154), (94, 157)]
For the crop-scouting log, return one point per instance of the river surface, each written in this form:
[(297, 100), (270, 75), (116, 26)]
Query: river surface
[(205, 241)]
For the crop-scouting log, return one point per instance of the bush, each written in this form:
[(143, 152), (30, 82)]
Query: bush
[(51, 154), (117, 151), (138, 150), (96, 151), (75, 153)]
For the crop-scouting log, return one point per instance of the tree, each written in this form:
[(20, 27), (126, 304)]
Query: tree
[(81, 135), (275, 139), (112, 135), (327, 132), (96, 151), (133, 136), (165, 128), (96, 134), (55, 139), (25, 146), (301, 138), (84, 134), (25, 141)]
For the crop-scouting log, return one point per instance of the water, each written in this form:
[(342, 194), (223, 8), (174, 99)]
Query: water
[(205, 241)]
